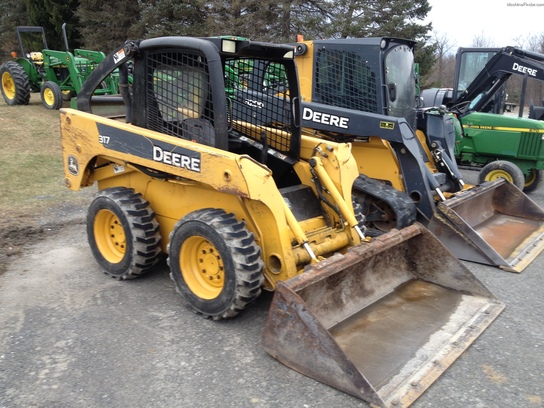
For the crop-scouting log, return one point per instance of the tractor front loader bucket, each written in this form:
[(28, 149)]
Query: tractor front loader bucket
[(494, 223), (381, 322)]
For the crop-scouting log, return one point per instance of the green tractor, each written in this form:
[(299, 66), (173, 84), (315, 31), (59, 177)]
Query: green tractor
[(497, 145), (57, 75)]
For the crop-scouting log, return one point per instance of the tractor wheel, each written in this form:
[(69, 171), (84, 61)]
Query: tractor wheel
[(215, 263), (502, 169), (68, 95), (51, 95), (532, 181), (15, 84), (123, 233)]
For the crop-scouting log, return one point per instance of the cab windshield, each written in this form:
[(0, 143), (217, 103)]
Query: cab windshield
[(471, 64)]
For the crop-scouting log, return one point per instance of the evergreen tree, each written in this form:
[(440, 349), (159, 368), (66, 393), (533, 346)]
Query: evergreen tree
[(51, 14), (13, 15), (107, 24), (310, 19), (425, 56), (267, 20), (375, 18), (384, 18), (254, 19), (172, 17), (103, 25)]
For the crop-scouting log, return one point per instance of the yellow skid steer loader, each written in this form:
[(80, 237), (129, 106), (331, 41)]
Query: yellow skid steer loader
[(222, 181), (407, 163)]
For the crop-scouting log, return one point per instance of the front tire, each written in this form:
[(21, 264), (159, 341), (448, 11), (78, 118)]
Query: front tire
[(123, 233), (215, 263), (51, 95), (502, 169), (15, 85)]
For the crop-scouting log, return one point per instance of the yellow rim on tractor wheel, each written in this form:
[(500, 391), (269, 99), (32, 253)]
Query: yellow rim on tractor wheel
[(48, 96), (497, 174), (202, 267), (8, 85), (531, 179), (109, 236)]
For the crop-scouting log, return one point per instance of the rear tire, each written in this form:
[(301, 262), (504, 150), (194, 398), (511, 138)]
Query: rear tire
[(533, 181), (215, 263), (123, 233), (502, 169), (51, 95), (15, 85)]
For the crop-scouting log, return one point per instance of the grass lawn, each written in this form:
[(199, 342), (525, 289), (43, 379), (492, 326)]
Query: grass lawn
[(31, 174)]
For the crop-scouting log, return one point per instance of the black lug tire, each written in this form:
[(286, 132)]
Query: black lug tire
[(359, 216), (235, 264), (502, 169), (123, 233), (14, 84), (383, 207), (533, 181), (51, 95)]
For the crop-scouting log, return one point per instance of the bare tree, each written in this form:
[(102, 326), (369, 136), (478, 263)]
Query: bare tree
[(536, 43), (519, 41), (482, 41), (535, 88), (443, 48), (442, 71)]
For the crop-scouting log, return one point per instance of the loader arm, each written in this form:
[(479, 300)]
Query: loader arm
[(342, 124), (506, 62)]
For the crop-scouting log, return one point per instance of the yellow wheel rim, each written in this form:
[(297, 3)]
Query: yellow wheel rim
[(531, 179), (202, 267), (109, 236), (498, 174), (8, 85), (48, 97)]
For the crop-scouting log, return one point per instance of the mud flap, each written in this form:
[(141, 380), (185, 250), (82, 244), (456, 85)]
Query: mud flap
[(381, 322), (494, 223)]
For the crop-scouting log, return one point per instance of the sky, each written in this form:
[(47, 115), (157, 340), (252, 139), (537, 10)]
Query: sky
[(498, 21)]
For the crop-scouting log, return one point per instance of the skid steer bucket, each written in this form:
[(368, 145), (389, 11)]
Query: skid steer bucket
[(382, 321), (494, 223)]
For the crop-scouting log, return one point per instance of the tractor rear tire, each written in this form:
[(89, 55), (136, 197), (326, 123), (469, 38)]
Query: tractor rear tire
[(215, 263), (123, 233), (15, 85), (533, 181), (51, 95), (502, 169)]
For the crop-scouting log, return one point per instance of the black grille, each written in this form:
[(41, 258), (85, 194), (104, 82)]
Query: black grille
[(344, 79), (261, 107), (178, 99)]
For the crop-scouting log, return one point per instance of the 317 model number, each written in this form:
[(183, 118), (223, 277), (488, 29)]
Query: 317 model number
[(103, 139)]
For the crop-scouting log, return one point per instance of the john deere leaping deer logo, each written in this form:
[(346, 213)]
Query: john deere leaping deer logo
[(73, 165)]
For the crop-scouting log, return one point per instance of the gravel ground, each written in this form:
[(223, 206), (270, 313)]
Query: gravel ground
[(73, 337)]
